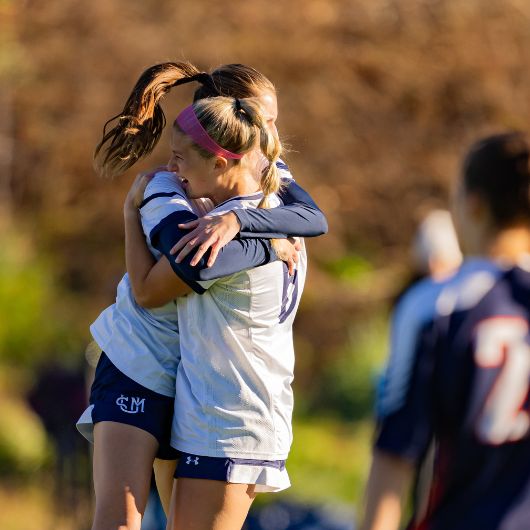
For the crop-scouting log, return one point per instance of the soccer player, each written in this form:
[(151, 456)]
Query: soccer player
[(132, 396), (459, 368), (233, 405)]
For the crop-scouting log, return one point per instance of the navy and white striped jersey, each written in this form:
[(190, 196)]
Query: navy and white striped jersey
[(459, 374)]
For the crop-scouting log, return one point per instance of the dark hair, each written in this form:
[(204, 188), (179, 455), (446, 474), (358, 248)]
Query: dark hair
[(141, 122), (496, 168)]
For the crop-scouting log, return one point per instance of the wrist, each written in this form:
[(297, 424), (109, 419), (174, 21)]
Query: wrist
[(273, 256), (235, 220), (236, 215)]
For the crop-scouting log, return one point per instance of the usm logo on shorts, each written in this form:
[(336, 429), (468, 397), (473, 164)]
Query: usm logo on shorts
[(134, 406)]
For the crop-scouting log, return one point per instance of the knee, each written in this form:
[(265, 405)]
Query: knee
[(117, 513), (109, 523)]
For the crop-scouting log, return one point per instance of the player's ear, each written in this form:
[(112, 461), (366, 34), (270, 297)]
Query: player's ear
[(220, 163)]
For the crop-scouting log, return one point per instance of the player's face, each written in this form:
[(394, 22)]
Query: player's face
[(269, 106), (198, 174)]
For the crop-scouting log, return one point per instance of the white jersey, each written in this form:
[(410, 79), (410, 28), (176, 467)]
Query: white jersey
[(233, 395), (144, 343)]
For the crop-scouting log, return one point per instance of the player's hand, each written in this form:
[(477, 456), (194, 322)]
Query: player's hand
[(287, 250), (136, 192), (210, 231)]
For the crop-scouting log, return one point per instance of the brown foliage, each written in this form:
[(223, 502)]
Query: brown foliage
[(378, 98)]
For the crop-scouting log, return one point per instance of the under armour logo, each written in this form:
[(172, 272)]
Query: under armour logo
[(190, 460), (136, 405)]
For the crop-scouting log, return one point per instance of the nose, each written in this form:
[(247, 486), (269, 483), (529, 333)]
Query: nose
[(172, 165)]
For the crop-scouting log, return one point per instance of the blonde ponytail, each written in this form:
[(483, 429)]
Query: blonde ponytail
[(270, 181), (270, 147), (236, 125)]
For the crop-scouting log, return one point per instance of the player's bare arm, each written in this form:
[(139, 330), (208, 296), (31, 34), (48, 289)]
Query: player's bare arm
[(153, 283), (388, 484)]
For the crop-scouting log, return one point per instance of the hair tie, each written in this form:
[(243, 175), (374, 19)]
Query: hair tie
[(203, 78)]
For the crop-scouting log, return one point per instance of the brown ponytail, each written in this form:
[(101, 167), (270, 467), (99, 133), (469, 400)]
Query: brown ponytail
[(141, 122)]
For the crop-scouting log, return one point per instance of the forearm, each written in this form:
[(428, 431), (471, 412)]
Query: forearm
[(239, 255), (299, 216), (388, 485), (236, 256), (152, 282), (138, 260)]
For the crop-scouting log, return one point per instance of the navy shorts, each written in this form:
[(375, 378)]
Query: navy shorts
[(116, 397), (218, 468)]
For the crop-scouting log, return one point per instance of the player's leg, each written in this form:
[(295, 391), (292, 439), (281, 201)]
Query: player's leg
[(123, 463), (129, 425), (164, 471), (200, 504)]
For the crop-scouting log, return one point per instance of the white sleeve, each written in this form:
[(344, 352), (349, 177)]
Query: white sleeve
[(162, 197), (283, 169)]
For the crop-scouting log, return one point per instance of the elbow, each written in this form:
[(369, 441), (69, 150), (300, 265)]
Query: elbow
[(145, 300), (323, 224), (319, 225)]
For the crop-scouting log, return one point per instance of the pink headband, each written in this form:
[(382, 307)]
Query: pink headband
[(190, 125)]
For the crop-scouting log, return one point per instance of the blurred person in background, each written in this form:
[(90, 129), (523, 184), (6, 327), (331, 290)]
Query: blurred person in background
[(459, 368), (141, 346), (435, 252), (59, 397)]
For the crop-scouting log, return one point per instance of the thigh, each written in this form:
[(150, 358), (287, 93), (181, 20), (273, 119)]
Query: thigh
[(123, 463), (200, 504)]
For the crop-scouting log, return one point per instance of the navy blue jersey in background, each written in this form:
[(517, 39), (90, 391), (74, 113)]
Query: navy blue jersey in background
[(459, 374)]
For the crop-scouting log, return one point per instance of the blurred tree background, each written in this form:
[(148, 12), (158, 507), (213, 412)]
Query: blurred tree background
[(378, 100)]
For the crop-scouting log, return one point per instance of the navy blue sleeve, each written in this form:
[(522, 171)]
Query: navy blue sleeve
[(407, 431), (236, 256), (299, 216)]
